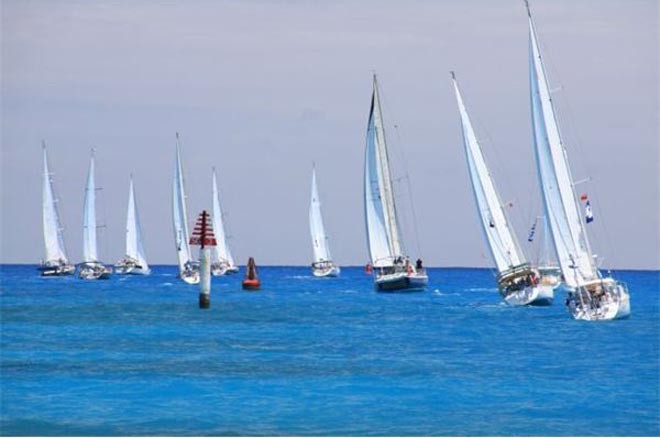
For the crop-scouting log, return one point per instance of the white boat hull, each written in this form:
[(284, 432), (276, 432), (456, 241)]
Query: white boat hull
[(124, 270), (94, 271), (540, 295), (615, 304), (190, 277), (56, 270), (332, 271), (218, 269), (401, 282)]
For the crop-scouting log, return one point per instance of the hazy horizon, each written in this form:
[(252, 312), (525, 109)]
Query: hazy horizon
[(261, 90)]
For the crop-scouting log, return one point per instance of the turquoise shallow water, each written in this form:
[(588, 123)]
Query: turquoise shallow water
[(135, 356)]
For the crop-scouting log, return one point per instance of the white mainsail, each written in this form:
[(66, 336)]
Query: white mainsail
[(561, 206), (502, 242), (179, 213), (383, 233), (134, 248), (53, 238), (220, 253), (89, 217), (316, 228)]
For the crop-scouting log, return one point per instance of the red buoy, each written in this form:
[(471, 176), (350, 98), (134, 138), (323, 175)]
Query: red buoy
[(251, 281)]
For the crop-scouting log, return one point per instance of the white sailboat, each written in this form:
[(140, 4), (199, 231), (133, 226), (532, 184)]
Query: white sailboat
[(188, 267), (135, 261), (222, 261), (91, 268), (590, 297), (517, 280), (391, 267), (55, 262), (323, 265), (548, 269)]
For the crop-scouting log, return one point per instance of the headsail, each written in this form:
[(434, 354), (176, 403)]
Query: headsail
[(89, 217), (502, 242), (561, 207), (220, 253), (179, 213), (383, 233), (134, 248), (53, 238), (317, 230)]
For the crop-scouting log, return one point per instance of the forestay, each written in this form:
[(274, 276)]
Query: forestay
[(52, 228), (317, 230), (562, 211), (502, 242), (134, 248), (383, 233), (89, 217)]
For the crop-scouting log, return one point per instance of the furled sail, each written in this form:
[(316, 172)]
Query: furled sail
[(220, 252), (383, 233), (561, 207), (502, 242), (53, 238), (89, 217), (179, 213), (134, 248), (317, 230)]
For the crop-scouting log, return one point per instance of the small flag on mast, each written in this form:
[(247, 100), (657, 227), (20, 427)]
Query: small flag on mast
[(588, 212)]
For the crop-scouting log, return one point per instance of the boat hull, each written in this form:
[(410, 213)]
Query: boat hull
[(57, 271), (332, 271), (94, 271), (613, 304), (232, 270), (401, 282), (190, 277), (124, 269), (540, 295)]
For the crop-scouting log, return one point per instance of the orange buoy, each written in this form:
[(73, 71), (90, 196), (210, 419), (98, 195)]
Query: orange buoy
[(251, 281)]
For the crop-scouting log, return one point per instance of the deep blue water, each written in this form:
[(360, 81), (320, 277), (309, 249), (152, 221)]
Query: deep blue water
[(306, 356)]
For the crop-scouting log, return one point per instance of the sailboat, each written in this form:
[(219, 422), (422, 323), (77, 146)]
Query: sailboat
[(222, 261), (548, 269), (135, 261), (55, 262), (517, 281), (322, 265), (91, 268), (392, 269), (591, 296), (188, 267)]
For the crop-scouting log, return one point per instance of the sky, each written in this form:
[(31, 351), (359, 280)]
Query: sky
[(263, 89)]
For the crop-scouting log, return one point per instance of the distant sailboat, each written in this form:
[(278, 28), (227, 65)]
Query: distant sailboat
[(391, 267), (590, 296), (91, 268), (188, 267), (548, 268), (322, 265), (222, 261), (517, 280), (135, 261), (55, 262)]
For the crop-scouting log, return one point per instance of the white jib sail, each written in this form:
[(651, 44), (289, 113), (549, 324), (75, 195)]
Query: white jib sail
[(502, 242), (561, 207), (89, 217), (383, 234), (134, 248), (220, 253), (53, 238), (179, 213), (319, 238)]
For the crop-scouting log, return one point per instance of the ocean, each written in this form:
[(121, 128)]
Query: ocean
[(308, 356)]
